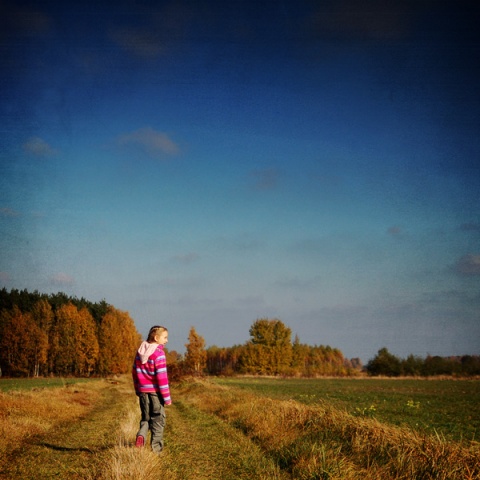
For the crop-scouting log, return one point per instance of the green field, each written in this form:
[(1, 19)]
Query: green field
[(450, 408)]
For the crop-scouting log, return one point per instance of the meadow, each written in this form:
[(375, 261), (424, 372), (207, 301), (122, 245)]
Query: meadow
[(446, 407), (242, 429)]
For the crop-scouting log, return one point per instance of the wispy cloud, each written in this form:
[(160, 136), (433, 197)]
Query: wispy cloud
[(468, 265), (143, 43), (266, 179), (165, 24), (470, 227), (39, 147), (394, 231), (243, 242), (4, 277), (299, 283), (8, 212), (349, 20), (154, 143), (186, 258), (28, 21), (61, 279)]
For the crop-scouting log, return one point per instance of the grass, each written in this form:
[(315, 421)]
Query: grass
[(320, 441), (450, 408), (217, 430), (9, 384), (56, 433)]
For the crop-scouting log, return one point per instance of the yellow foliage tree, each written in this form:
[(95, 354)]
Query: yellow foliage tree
[(75, 346), (43, 317), (23, 345), (87, 343), (118, 339), (270, 349), (196, 356)]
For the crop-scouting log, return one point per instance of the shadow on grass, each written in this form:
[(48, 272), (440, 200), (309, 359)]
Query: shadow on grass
[(60, 448)]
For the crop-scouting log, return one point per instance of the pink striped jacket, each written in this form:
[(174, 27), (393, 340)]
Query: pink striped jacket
[(151, 377)]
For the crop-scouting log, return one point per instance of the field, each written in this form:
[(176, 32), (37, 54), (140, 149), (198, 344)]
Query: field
[(446, 407), (244, 428)]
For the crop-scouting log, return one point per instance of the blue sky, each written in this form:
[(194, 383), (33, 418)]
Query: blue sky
[(205, 165)]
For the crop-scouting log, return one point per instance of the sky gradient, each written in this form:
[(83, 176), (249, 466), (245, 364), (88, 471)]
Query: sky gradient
[(207, 164)]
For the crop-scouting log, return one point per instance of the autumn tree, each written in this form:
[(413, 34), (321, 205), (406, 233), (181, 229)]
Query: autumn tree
[(196, 356), (270, 349), (76, 345), (43, 317), (23, 346), (299, 356), (118, 340), (87, 343)]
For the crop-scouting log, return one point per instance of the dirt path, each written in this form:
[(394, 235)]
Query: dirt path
[(72, 450)]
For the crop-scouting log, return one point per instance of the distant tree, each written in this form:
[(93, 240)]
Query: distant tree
[(75, 344), (43, 317), (196, 356), (23, 346), (412, 366), (87, 343), (99, 310), (299, 356), (384, 363), (470, 364), (270, 349), (436, 365), (118, 340), (356, 363), (63, 345)]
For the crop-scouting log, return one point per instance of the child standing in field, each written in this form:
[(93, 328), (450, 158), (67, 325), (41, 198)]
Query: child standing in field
[(151, 386)]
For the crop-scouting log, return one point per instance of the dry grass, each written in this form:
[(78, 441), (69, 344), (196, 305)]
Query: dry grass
[(214, 433), (322, 442), (59, 432), (199, 446), (23, 416)]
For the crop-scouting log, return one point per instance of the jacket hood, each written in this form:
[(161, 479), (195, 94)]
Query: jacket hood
[(145, 350)]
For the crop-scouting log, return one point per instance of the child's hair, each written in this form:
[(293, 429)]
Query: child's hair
[(154, 331)]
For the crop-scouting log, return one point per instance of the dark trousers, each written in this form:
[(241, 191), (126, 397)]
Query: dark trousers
[(153, 419)]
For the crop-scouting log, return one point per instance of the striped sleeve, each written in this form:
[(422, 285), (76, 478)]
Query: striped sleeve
[(162, 378)]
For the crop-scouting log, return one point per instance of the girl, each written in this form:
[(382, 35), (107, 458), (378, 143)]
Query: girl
[(151, 386)]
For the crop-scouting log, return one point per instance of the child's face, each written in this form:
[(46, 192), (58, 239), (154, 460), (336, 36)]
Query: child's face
[(162, 338)]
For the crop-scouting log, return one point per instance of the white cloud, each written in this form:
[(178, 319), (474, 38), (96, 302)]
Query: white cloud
[(151, 141)]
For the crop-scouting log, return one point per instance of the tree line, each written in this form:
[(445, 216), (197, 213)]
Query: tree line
[(59, 335), (386, 364), (270, 351)]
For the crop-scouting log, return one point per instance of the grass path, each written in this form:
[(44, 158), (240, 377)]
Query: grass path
[(71, 449), (98, 443), (200, 446)]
